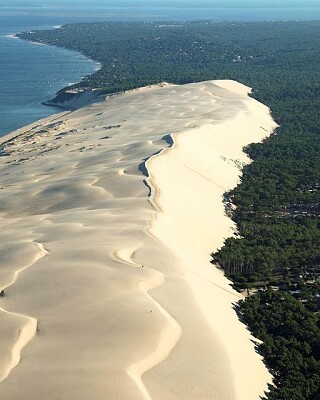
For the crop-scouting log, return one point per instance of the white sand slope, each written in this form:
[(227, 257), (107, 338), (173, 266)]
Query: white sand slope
[(105, 249)]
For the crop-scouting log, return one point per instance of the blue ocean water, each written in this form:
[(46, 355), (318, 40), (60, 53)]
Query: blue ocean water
[(31, 74)]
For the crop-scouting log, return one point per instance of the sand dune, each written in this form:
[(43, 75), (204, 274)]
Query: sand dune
[(107, 231)]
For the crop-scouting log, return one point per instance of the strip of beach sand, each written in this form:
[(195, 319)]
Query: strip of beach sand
[(108, 216)]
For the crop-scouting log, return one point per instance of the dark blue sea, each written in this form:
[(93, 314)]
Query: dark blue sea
[(31, 74)]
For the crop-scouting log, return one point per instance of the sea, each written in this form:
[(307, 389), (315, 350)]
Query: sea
[(31, 74)]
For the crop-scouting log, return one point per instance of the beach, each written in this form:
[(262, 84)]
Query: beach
[(108, 217)]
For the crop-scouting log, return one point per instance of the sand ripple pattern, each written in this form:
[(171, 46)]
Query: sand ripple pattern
[(104, 298)]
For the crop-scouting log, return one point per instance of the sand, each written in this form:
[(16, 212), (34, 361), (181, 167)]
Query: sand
[(108, 216)]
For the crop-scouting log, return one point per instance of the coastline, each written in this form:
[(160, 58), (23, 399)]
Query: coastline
[(54, 102), (130, 256), (98, 64), (42, 108)]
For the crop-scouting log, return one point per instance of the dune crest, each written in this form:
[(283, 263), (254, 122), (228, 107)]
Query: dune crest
[(192, 177), (123, 199), (26, 325)]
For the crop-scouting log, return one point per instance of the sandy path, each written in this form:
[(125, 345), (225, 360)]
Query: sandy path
[(114, 287)]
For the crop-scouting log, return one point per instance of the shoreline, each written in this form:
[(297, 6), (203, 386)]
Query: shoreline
[(129, 288), (97, 67), (98, 64)]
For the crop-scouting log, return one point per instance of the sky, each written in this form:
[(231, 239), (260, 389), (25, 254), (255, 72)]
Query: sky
[(169, 3)]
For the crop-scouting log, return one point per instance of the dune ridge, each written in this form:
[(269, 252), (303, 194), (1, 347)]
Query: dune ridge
[(127, 305), (169, 336), (27, 329), (200, 162)]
